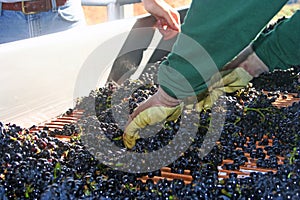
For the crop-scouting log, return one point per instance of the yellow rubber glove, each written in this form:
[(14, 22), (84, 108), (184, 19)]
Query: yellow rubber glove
[(236, 77), (224, 82), (158, 108)]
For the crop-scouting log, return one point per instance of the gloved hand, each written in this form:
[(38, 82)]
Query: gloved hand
[(224, 82), (232, 79), (156, 109)]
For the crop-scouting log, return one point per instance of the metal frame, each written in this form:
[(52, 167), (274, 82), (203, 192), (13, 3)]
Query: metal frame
[(115, 9)]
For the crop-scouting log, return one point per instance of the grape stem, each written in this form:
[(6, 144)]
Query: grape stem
[(258, 110), (237, 120)]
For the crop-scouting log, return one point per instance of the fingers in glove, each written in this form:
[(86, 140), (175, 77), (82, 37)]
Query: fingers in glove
[(212, 98), (177, 112), (129, 140), (159, 99), (199, 106)]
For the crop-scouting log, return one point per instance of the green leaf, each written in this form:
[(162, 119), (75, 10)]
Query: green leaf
[(117, 138), (78, 175), (87, 192), (223, 191), (26, 195), (290, 174), (29, 189), (57, 169), (119, 164)]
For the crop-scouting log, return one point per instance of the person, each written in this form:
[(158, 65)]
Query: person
[(26, 19), (223, 29)]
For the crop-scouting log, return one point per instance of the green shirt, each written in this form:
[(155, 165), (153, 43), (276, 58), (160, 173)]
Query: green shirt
[(214, 32)]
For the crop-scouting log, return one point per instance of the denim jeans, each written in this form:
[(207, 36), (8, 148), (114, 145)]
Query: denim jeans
[(15, 25)]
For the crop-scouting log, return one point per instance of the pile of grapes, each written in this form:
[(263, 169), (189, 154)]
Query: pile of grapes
[(41, 166)]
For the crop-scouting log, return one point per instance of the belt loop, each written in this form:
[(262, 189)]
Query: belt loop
[(54, 6)]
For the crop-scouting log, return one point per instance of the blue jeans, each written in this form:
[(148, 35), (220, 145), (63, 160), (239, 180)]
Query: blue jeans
[(15, 25)]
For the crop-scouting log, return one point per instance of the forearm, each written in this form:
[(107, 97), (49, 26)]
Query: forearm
[(280, 48), (149, 5), (218, 30)]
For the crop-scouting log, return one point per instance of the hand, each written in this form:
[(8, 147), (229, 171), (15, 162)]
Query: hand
[(227, 81), (254, 65), (168, 19), (235, 75), (248, 60), (156, 109)]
